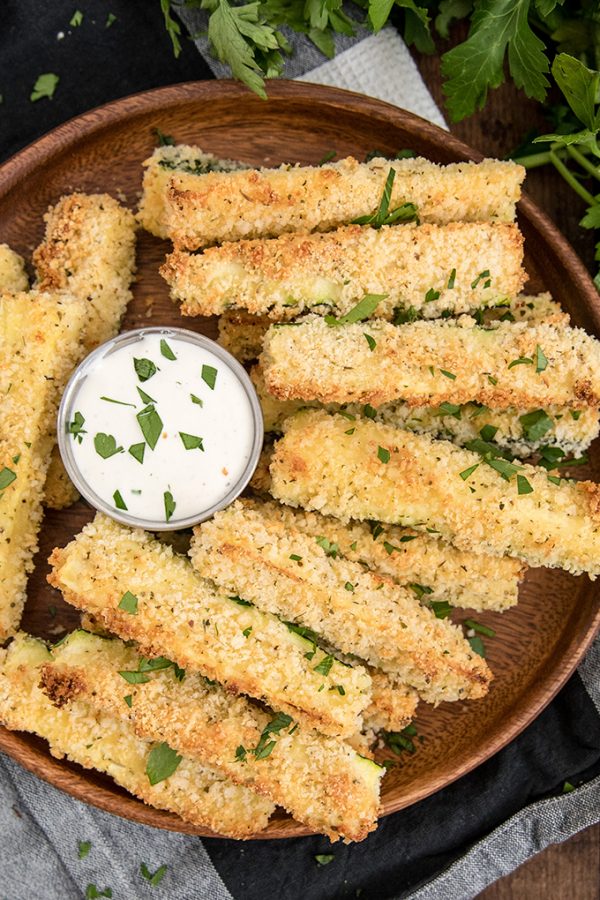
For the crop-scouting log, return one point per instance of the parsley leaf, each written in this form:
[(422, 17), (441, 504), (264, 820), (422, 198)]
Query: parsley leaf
[(44, 86), (161, 763), (324, 667), (137, 451), (536, 424), (151, 425), (7, 476), (209, 376), (383, 454), (407, 212), (106, 445), (166, 350), (119, 502), (144, 369), (76, 427), (363, 310), (93, 893), (323, 859), (83, 848), (441, 608), (153, 877), (169, 504), (129, 603), (190, 441)]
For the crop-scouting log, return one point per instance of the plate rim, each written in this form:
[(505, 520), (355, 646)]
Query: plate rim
[(530, 703)]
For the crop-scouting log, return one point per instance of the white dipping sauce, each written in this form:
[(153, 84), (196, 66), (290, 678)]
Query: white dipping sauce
[(196, 413)]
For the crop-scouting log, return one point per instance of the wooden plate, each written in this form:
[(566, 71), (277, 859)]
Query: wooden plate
[(539, 643)]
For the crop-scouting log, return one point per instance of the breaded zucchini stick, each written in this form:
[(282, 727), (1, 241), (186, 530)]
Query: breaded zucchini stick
[(521, 431), (13, 276), (394, 705), (39, 346), (318, 780), (247, 550), (207, 209), (435, 569), (160, 168), (89, 250), (389, 475), (430, 269), (428, 363), (97, 740), (242, 334), (182, 617)]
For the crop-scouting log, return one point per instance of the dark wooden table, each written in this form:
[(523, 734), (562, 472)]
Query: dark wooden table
[(571, 869)]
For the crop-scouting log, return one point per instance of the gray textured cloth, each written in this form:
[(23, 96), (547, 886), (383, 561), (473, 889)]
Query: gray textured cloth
[(40, 827)]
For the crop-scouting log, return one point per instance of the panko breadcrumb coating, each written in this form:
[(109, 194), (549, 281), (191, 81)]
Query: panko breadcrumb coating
[(181, 616), (160, 168), (13, 277), (521, 431), (96, 740), (471, 580), (429, 269), (318, 780), (40, 345), (394, 476), (242, 334), (284, 571), (428, 363), (207, 209)]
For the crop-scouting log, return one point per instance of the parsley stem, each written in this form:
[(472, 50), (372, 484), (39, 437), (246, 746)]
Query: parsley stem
[(572, 180), (584, 162), (533, 160)]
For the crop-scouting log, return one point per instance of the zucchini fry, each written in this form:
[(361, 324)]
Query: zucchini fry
[(40, 345), (394, 476), (208, 209), (428, 363), (160, 168), (96, 740), (430, 269), (393, 707), (89, 250), (521, 431), (318, 780), (284, 571), (182, 617), (13, 277), (436, 570), (242, 334)]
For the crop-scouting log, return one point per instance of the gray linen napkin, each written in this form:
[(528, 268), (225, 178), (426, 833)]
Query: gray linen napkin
[(40, 827)]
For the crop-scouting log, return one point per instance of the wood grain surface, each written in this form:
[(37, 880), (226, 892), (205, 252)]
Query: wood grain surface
[(539, 643)]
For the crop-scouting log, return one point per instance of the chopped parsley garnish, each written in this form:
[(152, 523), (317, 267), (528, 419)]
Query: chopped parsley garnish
[(7, 476), (541, 362), (480, 277), (568, 787), (472, 625), (441, 608), (553, 479), (448, 374), (452, 279), (166, 350), (119, 502), (491, 378), (330, 547), (241, 753), (134, 677), (93, 893), (376, 529), (110, 20), (370, 341), (350, 431), (349, 586), (169, 504), (575, 413), (295, 557), (16, 459), (83, 848), (44, 86), (161, 763), (146, 398), (240, 601), (523, 485), (151, 425), (331, 154), (536, 424), (137, 451), (488, 432), (467, 472), (400, 741), (209, 376), (405, 316), (449, 409), (431, 295), (128, 698), (323, 859), (76, 19), (383, 454), (492, 455), (191, 441), (118, 402), (247, 631), (153, 877), (106, 445), (420, 590), (363, 310), (521, 361), (477, 645), (129, 603), (164, 140), (144, 368), (266, 746), (504, 467), (76, 427), (407, 212), (197, 400), (369, 412), (324, 667)]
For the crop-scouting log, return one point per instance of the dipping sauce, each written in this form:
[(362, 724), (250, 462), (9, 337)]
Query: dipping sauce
[(160, 426)]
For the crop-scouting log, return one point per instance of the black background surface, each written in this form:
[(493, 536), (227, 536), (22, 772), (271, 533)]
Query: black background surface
[(98, 64)]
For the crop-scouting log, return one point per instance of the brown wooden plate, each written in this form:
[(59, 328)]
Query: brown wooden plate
[(539, 643)]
